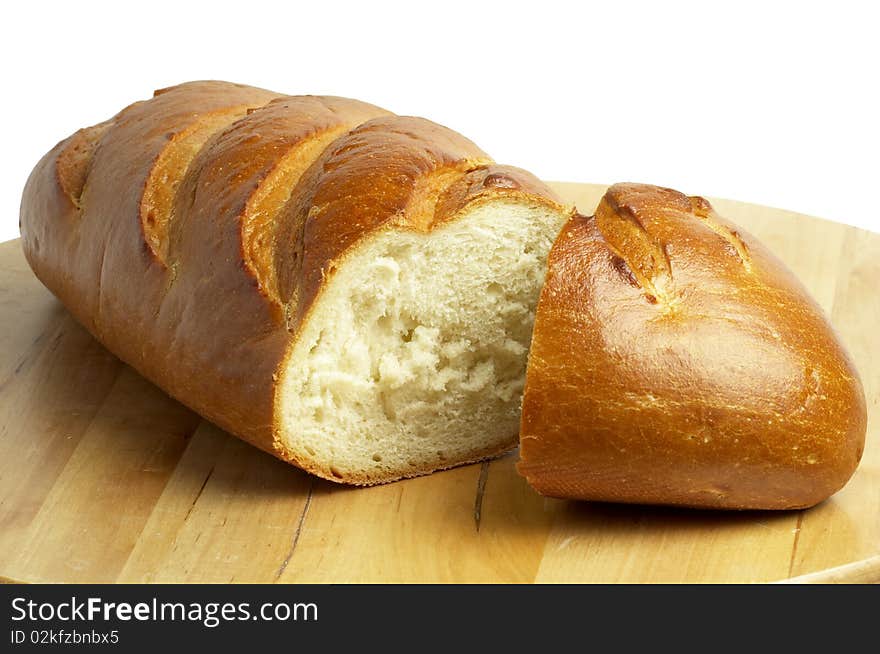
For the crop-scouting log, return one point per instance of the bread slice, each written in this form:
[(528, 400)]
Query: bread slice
[(349, 290)]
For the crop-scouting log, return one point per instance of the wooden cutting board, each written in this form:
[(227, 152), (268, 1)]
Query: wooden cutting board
[(104, 478)]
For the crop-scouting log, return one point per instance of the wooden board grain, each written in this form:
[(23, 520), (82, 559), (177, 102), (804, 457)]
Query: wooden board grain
[(104, 478)]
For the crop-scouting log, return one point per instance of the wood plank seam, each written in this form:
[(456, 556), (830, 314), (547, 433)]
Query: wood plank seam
[(797, 536), (201, 489), (481, 489), (299, 528)]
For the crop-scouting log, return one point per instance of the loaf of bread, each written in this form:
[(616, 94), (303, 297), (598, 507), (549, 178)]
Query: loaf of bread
[(676, 361), (355, 292), (350, 290)]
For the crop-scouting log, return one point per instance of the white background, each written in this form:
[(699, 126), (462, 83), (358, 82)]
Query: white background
[(773, 103)]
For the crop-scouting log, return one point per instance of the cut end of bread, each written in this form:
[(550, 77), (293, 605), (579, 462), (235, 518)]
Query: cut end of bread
[(413, 357)]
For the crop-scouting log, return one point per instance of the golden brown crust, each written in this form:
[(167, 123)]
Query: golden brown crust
[(188, 231), (75, 158), (367, 479), (394, 172), (224, 213), (384, 173), (676, 361)]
